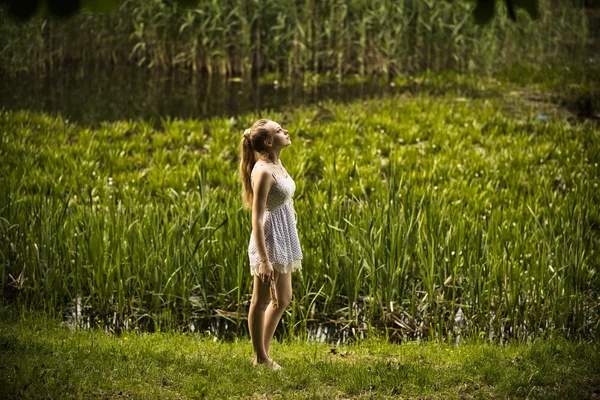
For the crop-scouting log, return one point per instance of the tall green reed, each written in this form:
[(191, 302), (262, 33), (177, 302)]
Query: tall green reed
[(410, 208), (338, 37)]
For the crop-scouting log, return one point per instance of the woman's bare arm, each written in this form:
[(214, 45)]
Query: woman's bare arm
[(261, 184)]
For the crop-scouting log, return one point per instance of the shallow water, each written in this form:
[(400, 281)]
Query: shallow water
[(90, 96), (229, 326)]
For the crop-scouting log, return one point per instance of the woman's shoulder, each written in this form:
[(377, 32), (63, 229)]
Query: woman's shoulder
[(261, 171)]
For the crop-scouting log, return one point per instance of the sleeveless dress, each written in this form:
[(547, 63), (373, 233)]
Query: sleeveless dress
[(279, 224)]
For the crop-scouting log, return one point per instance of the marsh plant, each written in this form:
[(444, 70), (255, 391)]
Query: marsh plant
[(428, 216), (292, 38)]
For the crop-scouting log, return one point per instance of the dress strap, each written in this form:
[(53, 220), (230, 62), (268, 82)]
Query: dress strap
[(274, 174), (269, 168)]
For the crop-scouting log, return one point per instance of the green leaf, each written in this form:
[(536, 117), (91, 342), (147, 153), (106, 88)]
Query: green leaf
[(185, 3)]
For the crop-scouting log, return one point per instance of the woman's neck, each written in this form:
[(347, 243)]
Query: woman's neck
[(272, 158)]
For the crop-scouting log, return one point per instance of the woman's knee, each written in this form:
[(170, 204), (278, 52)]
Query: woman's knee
[(284, 300), (259, 305)]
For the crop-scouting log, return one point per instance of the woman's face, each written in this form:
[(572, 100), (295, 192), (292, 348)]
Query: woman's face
[(279, 136)]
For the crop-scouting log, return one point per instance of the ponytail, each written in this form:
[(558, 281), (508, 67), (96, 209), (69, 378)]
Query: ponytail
[(252, 142), (248, 159)]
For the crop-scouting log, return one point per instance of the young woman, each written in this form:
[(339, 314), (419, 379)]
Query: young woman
[(274, 248)]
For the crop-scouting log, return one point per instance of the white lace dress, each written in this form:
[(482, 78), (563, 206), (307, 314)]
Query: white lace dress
[(279, 223)]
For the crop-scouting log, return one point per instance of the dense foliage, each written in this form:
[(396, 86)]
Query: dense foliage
[(233, 37), (472, 211)]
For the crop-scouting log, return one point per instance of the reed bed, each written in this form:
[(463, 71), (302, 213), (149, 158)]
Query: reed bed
[(427, 216), (338, 37)]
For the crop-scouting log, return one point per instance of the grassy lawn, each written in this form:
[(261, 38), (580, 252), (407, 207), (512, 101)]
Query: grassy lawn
[(39, 358)]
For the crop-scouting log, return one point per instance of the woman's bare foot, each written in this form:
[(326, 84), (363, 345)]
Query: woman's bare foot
[(268, 362), (274, 365)]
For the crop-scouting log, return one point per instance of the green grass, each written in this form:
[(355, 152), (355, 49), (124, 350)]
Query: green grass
[(413, 207), (41, 359)]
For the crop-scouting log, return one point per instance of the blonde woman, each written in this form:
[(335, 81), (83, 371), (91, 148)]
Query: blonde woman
[(274, 250)]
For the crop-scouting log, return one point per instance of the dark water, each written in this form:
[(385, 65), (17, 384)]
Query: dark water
[(218, 324), (89, 96), (231, 326)]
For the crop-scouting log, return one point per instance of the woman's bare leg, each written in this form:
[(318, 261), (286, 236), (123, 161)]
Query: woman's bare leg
[(256, 317), (283, 288)]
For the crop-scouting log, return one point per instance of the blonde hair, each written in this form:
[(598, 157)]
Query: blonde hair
[(253, 141)]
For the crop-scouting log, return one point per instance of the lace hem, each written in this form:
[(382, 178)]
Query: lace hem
[(295, 265)]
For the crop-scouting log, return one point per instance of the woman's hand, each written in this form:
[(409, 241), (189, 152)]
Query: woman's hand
[(265, 271)]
